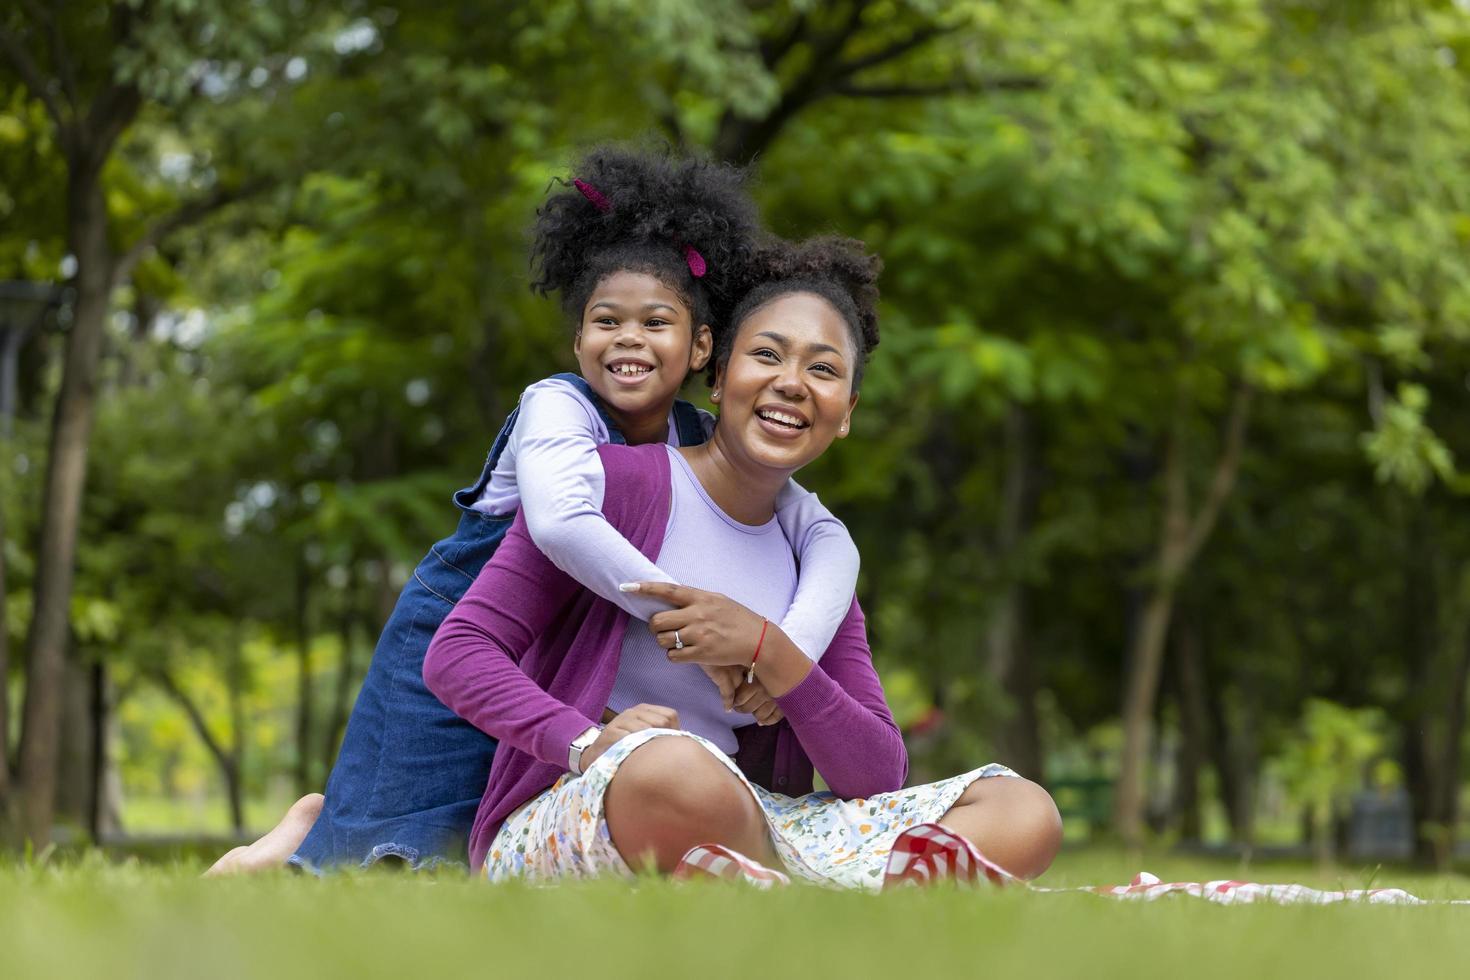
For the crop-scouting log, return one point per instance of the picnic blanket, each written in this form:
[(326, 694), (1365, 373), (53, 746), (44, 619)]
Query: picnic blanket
[(1146, 887), (930, 852)]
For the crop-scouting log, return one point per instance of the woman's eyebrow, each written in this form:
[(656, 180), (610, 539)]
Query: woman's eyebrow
[(810, 348)]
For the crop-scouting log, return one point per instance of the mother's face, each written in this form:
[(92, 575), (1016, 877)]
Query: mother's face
[(786, 391)]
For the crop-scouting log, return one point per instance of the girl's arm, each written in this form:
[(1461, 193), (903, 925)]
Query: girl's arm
[(471, 664), (828, 570), (561, 484)]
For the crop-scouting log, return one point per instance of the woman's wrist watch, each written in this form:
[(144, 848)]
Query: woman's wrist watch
[(580, 744)]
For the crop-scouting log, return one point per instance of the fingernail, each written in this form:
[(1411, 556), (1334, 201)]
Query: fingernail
[(628, 587)]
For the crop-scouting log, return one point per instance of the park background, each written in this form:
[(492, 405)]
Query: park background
[(1156, 476)]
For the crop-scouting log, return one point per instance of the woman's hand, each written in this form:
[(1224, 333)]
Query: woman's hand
[(714, 630), (635, 719)]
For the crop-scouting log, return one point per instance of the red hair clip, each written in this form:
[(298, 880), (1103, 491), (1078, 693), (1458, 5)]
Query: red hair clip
[(697, 266), (592, 194)]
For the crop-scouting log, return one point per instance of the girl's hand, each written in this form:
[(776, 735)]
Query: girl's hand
[(755, 700), (727, 679), (635, 719), (714, 630)]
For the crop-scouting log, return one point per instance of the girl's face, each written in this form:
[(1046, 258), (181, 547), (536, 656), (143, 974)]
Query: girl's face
[(636, 344), (786, 391)]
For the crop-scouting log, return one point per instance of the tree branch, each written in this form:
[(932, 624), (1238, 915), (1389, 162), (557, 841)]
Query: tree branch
[(59, 56), (30, 75), (196, 718), (112, 112), (185, 215), (897, 49), (958, 86), (1226, 469), (777, 48)]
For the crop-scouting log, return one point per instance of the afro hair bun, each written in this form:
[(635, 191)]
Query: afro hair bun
[(646, 207), (841, 270)]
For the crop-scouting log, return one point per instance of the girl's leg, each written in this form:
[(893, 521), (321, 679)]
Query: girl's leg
[(1012, 821), (671, 794)]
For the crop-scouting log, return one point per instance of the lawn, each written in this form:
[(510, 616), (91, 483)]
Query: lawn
[(91, 918)]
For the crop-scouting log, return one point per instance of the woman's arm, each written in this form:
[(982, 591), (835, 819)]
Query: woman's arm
[(841, 717), (472, 662), (561, 483), (835, 706), (829, 564)]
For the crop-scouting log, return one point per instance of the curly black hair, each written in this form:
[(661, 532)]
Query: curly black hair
[(840, 270), (657, 204)]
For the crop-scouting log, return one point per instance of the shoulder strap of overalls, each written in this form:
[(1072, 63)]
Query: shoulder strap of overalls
[(467, 497), (688, 423)]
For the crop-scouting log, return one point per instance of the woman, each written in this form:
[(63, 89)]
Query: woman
[(647, 253), (533, 660)]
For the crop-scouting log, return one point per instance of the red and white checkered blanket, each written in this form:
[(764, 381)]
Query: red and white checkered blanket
[(1147, 888), (930, 852)]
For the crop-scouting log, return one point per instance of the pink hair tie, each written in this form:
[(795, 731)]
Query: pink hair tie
[(697, 266), (592, 194)]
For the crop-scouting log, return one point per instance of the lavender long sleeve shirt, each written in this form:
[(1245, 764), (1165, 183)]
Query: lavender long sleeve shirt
[(529, 657), (550, 470)]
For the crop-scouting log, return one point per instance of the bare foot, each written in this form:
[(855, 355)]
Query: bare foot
[(272, 850), (226, 864)]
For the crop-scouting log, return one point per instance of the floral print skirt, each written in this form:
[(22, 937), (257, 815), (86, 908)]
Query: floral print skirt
[(821, 838)]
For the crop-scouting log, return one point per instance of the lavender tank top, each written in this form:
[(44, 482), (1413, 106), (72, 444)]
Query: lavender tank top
[(704, 548)]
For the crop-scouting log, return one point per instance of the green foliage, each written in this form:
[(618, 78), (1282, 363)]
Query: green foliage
[(1327, 760)]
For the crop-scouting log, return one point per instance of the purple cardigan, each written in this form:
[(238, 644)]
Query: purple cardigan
[(529, 657)]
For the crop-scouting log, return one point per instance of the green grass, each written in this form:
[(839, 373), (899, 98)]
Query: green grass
[(89, 917)]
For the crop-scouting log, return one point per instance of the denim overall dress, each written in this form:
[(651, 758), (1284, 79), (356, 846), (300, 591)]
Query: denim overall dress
[(410, 773)]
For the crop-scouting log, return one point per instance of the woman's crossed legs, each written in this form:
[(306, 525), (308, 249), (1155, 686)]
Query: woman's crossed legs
[(672, 794)]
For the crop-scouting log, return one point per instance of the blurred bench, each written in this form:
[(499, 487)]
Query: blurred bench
[(1083, 798)]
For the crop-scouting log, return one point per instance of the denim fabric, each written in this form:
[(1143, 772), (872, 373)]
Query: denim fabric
[(410, 773)]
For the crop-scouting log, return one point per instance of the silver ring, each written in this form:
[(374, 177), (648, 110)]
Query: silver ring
[(678, 643)]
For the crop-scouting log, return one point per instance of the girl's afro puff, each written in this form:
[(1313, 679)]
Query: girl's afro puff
[(660, 203), (840, 270)]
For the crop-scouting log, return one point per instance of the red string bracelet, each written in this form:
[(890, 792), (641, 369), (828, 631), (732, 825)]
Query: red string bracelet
[(750, 671)]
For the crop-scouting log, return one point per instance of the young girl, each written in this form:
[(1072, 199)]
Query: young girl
[(642, 250), (531, 658)]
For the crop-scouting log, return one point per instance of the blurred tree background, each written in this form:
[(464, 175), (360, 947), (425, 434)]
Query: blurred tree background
[(1156, 478)]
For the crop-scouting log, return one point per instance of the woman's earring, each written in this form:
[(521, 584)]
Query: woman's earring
[(844, 428), (714, 396)]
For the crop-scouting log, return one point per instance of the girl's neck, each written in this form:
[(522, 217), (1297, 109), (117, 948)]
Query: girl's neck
[(744, 490), (643, 428)]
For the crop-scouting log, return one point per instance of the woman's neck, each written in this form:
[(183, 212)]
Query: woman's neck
[(744, 490)]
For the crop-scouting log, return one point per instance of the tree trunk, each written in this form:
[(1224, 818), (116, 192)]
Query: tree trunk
[(1418, 635), (104, 815), (75, 765), (1146, 658), (346, 674), (235, 771), (1192, 723), (1448, 802), (305, 722), (226, 759), (1017, 731), (66, 469), (1181, 537)]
